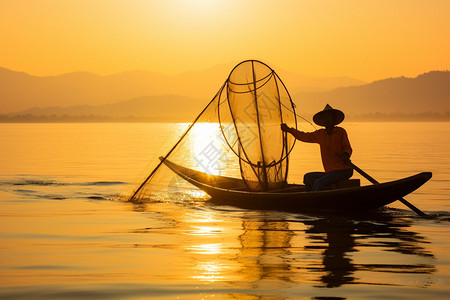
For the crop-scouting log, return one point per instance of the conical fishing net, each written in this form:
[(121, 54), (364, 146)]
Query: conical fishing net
[(235, 142)]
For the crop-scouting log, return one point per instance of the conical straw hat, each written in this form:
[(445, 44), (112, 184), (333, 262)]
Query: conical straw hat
[(319, 118)]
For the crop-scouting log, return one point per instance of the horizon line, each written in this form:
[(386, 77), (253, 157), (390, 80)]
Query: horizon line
[(209, 68)]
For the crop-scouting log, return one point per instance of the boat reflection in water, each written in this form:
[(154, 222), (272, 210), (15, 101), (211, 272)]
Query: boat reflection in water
[(329, 255), (266, 250), (339, 238)]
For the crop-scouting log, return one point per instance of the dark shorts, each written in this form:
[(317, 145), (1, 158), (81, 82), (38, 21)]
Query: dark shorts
[(318, 181)]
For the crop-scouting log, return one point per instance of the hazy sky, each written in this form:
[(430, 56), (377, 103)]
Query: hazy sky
[(363, 39)]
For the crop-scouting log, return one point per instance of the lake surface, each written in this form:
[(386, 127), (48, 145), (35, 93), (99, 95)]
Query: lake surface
[(65, 235)]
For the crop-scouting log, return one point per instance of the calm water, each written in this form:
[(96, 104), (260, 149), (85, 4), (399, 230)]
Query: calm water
[(63, 234)]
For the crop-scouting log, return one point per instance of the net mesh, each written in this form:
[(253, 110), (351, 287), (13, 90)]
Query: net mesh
[(237, 135)]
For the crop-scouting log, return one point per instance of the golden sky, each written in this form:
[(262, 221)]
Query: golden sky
[(364, 39)]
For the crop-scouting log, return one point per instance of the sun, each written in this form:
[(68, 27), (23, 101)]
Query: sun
[(203, 4), (202, 12)]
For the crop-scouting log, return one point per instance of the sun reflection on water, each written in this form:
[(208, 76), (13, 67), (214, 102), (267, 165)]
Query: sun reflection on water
[(197, 194), (208, 150), (210, 271), (207, 248), (205, 230)]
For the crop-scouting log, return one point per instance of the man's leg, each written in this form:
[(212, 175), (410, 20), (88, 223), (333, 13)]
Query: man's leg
[(310, 178), (326, 182)]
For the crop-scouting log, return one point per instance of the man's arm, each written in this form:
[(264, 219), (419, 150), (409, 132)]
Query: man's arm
[(346, 147), (307, 137), (345, 157), (285, 128)]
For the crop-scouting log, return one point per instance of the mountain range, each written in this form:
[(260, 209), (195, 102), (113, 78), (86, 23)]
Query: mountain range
[(428, 92), (158, 97), (21, 91)]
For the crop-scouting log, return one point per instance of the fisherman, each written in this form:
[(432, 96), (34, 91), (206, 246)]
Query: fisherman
[(335, 149)]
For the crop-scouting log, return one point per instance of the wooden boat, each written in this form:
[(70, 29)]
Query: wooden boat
[(233, 191)]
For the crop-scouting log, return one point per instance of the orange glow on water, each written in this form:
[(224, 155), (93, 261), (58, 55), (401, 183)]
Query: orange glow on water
[(54, 244)]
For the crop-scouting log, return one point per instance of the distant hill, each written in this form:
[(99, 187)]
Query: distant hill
[(20, 91), (140, 95), (429, 92), (154, 108)]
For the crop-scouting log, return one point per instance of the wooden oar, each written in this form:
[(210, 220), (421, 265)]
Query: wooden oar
[(372, 180)]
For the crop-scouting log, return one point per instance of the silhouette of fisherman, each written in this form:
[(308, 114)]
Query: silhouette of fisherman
[(335, 149)]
